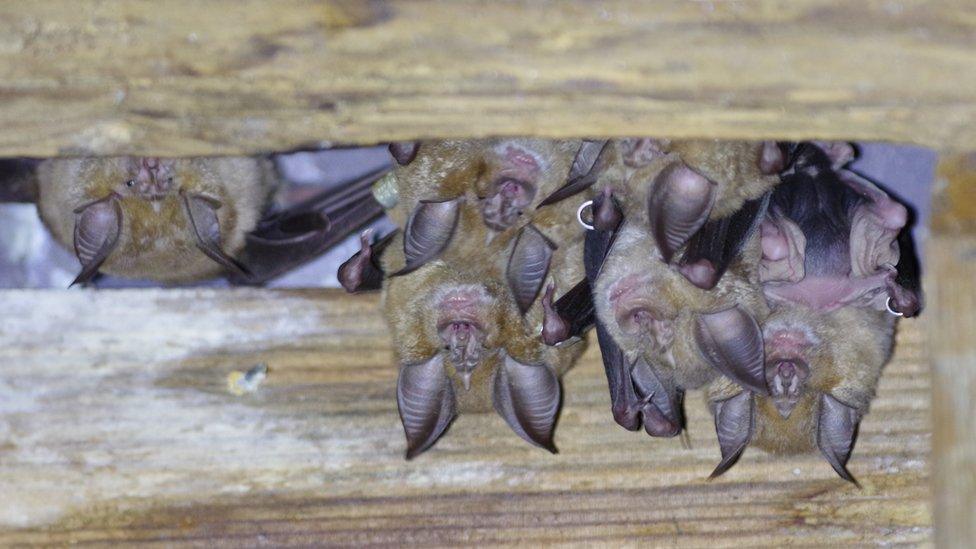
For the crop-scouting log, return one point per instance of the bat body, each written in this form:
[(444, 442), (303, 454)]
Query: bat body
[(831, 248), (473, 256), (649, 305), (171, 220)]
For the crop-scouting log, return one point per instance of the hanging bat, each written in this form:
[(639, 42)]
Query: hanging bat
[(644, 305), (172, 220), (832, 244), (462, 301)]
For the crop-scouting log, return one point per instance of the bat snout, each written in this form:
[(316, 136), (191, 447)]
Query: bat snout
[(785, 379)]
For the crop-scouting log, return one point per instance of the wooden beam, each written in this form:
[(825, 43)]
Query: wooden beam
[(952, 321), (117, 426), (181, 77)]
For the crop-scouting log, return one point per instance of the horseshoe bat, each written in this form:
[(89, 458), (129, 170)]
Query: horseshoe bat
[(835, 256), (647, 303), (462, 300), (172, 220)]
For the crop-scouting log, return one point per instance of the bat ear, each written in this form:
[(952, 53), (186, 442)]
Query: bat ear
[(783, 250), (734, 425), (425, 399), (591, 160), (678, 206), (731, 341), (660, 411), (528, 397), (839, 152), (404, 151), (97, 229), (772, 159), (528, 266), (836, 431), (202, 213), (429, 230), (875, 226)]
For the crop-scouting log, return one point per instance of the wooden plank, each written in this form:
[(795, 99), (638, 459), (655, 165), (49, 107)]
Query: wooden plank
[(952, 314), (116, 426), (180, 77)]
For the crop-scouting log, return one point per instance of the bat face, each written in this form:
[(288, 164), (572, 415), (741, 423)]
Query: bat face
[(507, 177), (174, 220)]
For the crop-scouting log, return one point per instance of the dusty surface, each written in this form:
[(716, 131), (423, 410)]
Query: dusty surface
[(116, 424)]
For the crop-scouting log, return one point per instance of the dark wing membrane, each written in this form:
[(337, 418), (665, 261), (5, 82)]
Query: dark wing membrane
[(299, 234), (18, 179), (719, 242)]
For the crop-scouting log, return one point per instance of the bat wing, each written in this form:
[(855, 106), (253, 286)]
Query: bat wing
[(527, 396), (425, 400), (732, 343), (97, 229), (428, 232), (292, 237), (734, 425), (836, 432), (202, 213), (678, 207), (591, 160), (718, 243), (528, 266)]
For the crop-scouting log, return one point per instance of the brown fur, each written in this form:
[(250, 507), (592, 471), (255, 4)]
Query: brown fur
[(478, 256), (855, 344), (157, 245)]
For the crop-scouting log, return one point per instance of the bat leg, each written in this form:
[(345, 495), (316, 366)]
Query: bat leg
[(292, 237)]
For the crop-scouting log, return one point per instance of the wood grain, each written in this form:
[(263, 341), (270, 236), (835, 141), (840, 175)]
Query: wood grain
[(180, 77), (116, 427)]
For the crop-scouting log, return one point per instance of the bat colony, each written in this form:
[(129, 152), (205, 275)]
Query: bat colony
[(768, 275)]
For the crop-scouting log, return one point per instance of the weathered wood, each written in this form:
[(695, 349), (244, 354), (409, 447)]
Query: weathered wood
[(116, 425), (952, 332), (180, 77)]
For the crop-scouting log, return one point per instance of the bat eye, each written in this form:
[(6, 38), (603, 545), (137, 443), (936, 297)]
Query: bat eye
[(130, 183)]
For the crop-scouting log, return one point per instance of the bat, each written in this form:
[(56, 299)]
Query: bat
[(832, 246), (171, 220), (647, 303), (465, 274)]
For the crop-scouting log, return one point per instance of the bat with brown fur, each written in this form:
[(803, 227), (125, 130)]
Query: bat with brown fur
[(832, 245), (172, 220), (648, 302), (467, 269)]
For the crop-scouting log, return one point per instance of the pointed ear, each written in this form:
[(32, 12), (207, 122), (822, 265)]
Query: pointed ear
[(528, 266), (429, 230), (875, 226), (734, 425), (731, 341), (660, 411), (772, 159), (404, 151), (97, 229), (836, 431), (678, 206), (527, 397), (425, 400), (202, 213)]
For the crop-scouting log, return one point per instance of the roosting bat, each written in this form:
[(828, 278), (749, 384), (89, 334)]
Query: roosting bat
[(465, 275), (172, 220), (664, 268), (831, 251)]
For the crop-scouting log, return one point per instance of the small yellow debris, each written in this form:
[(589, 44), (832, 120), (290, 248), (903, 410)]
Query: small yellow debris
[(239, 383)]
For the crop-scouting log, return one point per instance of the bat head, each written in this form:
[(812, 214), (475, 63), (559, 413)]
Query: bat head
[(145, 212)]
